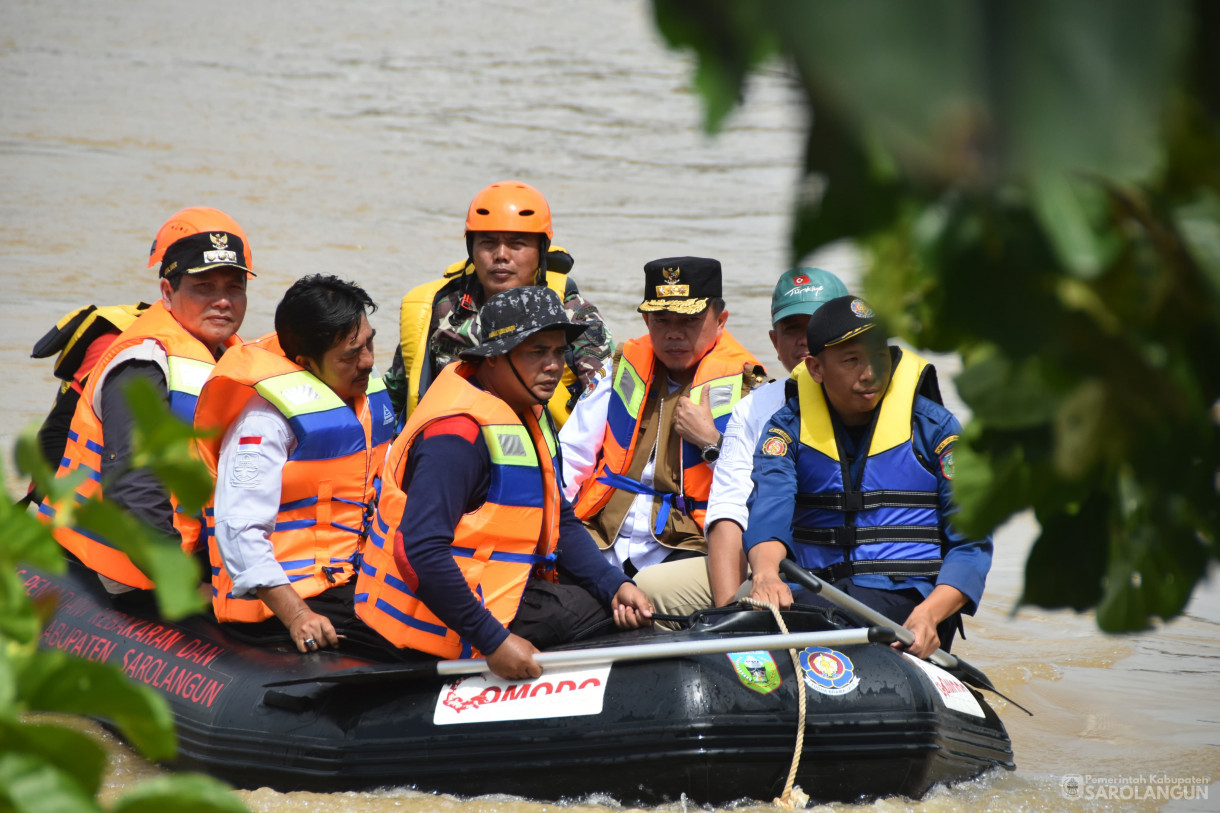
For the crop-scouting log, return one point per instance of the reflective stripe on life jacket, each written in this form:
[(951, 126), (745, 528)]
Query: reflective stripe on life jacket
[(717, 378), (415, 318), (890, 524), (497, 546), (327, 489), (187, 364)]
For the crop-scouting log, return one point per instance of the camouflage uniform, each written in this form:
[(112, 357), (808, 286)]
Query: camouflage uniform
[(455, 320)]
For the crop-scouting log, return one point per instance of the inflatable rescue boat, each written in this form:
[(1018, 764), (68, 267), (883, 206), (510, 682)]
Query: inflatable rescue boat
[(709, 713)]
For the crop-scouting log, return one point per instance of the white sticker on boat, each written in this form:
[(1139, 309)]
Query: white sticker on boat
[(489, 699), (951, 690)]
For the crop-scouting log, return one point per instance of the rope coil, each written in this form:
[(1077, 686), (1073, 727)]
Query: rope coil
[(792, 797)]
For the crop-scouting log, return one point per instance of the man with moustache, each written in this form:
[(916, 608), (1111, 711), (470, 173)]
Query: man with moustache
[(639, 448), (853, 478), (472, 528), (204, 261), (304, 424), (798, 293), (508, 244)]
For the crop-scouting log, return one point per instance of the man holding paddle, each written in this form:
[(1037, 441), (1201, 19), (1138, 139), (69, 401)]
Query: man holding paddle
[(471, 526), (853, 478)]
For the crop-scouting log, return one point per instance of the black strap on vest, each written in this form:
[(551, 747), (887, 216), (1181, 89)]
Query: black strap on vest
[(851, 536), (927, 568), (867, 500)]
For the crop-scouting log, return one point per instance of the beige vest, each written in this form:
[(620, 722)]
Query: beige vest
[(656, 433)]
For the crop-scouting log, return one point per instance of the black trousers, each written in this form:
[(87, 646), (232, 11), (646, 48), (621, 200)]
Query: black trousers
[(338, 605), (552, 614), (893, 604)]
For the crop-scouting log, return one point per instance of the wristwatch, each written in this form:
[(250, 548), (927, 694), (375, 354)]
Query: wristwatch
[(711, 452)]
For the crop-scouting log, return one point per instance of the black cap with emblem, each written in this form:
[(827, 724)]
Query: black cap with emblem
[(680, 284), (840, 319)]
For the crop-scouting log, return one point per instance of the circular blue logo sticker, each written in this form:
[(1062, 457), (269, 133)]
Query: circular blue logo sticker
[(828, 671)]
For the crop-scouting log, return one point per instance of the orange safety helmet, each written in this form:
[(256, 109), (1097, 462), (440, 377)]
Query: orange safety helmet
[(198, 220), (510, 206)]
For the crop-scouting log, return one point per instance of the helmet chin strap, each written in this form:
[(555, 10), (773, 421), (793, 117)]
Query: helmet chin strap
[(508, 358)]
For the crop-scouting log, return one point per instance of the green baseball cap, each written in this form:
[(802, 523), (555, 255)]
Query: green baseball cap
[(803, 290)]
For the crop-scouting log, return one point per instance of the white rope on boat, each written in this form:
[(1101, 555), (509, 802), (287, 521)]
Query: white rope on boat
[(792, 797)]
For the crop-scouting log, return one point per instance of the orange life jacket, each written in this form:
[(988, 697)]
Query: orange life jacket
[(189, 363), (496, 546), (719, 378), (328, 487)]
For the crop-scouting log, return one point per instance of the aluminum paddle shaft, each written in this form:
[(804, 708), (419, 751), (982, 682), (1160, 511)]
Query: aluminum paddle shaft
[(669, 649)]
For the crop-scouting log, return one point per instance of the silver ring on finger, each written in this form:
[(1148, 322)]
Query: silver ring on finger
[(310, 643)]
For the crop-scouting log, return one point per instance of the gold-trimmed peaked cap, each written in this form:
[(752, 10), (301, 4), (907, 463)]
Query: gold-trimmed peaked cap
[(680, 284)]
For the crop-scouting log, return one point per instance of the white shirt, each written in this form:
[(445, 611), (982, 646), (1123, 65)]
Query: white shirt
[(581, 440), (248, 483), (731, 483)]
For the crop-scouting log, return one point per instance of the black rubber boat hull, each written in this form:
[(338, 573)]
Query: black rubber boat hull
[(715, 728)]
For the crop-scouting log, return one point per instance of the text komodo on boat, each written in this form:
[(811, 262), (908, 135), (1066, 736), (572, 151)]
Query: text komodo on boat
[(709, 713)]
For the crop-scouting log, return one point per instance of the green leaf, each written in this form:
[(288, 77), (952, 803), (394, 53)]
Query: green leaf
[(73, 753), (165, 445), (30, 462), (842, 198), (1199, 225), (1073, 213), (988, 488), (18, 620), (10, 659), (1081, 442), (1154, 552), (1068, 561), (1036, 185), (55, 681), (1007, 394), (181, 793), (175, 574), (31, 785), (729, 39)]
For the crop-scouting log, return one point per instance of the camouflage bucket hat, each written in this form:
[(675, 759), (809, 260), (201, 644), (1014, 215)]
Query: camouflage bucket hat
[(510, 317)]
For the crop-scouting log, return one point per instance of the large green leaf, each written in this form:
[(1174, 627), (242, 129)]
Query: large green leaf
[(1036, 184), (31, 463), (165, 445), (1199, 225), (1067, 565), (55, 681), (181, 793), (29, 784), (729, 40), (1005, 393), (1074, 212), (175, 575), (966, 93), (73, 753)]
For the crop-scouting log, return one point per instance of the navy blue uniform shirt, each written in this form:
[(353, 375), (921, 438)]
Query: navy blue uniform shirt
[(447, 475)]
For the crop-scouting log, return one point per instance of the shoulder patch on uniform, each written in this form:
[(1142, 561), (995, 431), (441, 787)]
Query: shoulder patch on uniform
[(774, 446), (462, 426), (597, 379), (247, 465), (946, 464), (780, 433), (940, 447)]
